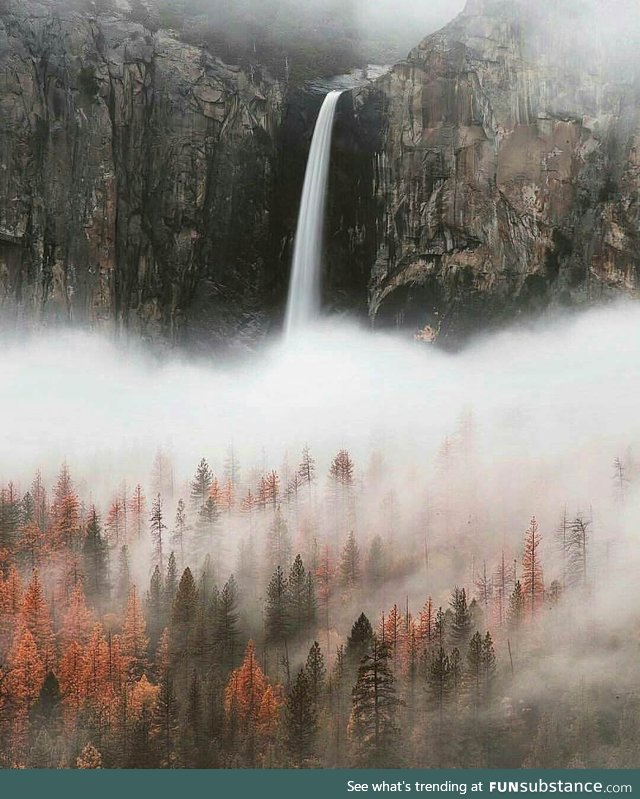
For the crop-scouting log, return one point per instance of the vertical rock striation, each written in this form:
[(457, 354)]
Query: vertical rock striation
[(135, 177), (508, 176)]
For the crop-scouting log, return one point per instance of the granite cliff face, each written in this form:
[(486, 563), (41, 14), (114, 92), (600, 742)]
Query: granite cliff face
[(146, 185), (135, 177), (508, 178)]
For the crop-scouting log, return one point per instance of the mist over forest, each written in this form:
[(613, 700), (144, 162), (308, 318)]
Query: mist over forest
[(188, 550)]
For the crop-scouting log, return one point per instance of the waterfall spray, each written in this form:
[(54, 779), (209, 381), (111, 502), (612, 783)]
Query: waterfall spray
[(303, 304)]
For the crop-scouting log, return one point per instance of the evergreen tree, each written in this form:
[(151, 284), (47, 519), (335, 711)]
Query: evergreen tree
[(157, 532), (278, 542), (95, 559), (166, 721), (155, 605), (316, 672), (301, 720), (359, 641), (9, 517), (461, 623), (576, 551), (180, 530), (207, 526), (137, 505), (307, 468), (350, 563), (516, 606), (372, 724), (183, 613), (277, 620), (135, 643), (297, 594), (171, 582), (36, 618), (124, 574), (226, 633), (440, 679), (201, 484), (375, 563)]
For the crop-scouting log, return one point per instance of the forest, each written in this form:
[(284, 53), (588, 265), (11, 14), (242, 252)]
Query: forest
[(353, 615)]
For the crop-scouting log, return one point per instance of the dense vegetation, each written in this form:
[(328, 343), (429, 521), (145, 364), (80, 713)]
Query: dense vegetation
[(273, 618)]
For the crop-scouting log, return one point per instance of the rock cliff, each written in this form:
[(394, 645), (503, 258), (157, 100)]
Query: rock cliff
[(135, 177), (148, 186), (508, 176)]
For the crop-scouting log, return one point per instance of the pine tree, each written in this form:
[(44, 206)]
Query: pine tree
[(391, 629), (484, 588), (165, 723), (124, 574), (95, 560), (201, 484), (620, 480), (207, 526), (180, 530), (39, 495), (532, 582), (375, 563), (269, 490), (488, 663), (475, 665), (372, 728), (277, 618), (307, 468), (297, 594), (9, 517), (278, 542), (155, 606), (192, 737), (576, 544), (100, 666), (350, 563), (35, 616), (170, 583), (517, 604), (114, 524), (440, 679), (27, 673), (183, 614), (157, 531), (341, 469), (244, 697), (31, 543), (316, 672), (426, 624), (460, 629), (72, 683), (504, 579), (134, 639), (137, 508), (66, 512), (78, 622), (226, 632), (301, 718), (440, 626), (359, 641)]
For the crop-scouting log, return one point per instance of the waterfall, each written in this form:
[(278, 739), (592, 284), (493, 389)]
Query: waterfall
[(303, 303)]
